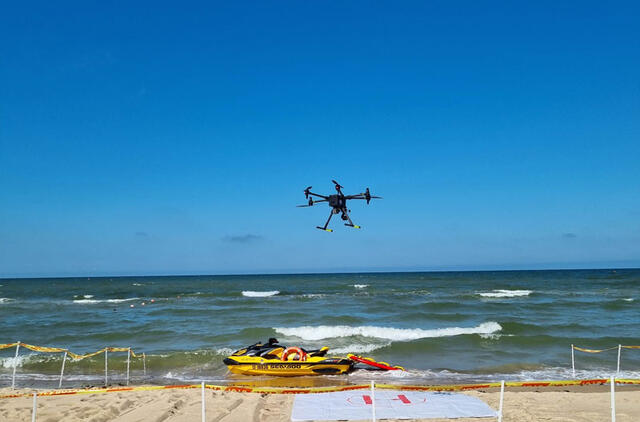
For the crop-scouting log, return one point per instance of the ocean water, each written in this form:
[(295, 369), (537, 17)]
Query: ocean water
[(441, 326)]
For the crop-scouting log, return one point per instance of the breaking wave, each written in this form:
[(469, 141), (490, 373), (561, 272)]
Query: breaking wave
[(359, 348), (249, 293), (85, 301), (389, 333), (360, 286), (506, 293)]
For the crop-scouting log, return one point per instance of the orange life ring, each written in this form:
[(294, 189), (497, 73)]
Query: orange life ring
[(302, 356)]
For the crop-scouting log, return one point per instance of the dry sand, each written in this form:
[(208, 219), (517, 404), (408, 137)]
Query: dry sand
[(558, 404)]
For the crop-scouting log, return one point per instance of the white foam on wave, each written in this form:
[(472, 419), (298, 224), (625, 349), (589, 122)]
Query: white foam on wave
[(9, 362), (359, 348), (447, 376), (6, 299), (224, 351), (628, 299), (90, 301), (360, 286), (137, 284), (250, 293), (314, 295), (389, 333), (506, 293)]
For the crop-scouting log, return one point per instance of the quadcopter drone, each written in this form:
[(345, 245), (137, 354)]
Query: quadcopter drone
[(338, 204)]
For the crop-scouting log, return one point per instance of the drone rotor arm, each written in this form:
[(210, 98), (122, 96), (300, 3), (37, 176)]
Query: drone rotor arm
[(318, 195), (312, 203)]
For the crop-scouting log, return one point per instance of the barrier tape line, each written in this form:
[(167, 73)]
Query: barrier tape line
[(603, 350), (6, 346), (74, 356), (273, 390), (597, 350)]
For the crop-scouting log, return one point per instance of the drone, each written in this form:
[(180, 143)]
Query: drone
[(338, 203)]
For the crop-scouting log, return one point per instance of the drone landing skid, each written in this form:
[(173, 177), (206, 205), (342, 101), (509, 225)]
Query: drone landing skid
[(322, 228), (352, 225)]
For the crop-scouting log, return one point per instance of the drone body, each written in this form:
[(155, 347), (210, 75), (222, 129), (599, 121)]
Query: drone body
[(338, 204)]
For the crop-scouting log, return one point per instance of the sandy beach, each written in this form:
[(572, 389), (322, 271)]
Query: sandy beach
[(590, 403)]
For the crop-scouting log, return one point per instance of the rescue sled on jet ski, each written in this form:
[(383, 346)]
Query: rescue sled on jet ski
[(275, 359)]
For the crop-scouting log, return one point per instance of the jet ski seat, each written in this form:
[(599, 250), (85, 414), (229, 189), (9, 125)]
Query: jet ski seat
[(273, 350), (317, 352)]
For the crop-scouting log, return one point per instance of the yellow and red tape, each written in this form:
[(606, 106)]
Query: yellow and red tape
[(582, 349), (75, 356), (273, 390)]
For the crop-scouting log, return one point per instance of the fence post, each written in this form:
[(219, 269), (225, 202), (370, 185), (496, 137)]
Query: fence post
[(35, 407), (618, 368), (501, 401), (106, 353), (64, 358), (144, 364), (204, 418), (15, 364), (613, 399), (128, 360), (573, 362), (373, 401)]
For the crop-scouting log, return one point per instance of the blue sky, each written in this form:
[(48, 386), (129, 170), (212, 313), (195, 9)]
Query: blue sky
[(177, 139)]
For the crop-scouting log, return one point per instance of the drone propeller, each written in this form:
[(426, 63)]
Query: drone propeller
[(306, 191), (338, 186), (368, 196)]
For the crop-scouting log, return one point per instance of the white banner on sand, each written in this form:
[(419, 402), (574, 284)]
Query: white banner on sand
[(397, 404)]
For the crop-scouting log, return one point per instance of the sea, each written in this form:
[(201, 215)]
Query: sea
[(442, 327)]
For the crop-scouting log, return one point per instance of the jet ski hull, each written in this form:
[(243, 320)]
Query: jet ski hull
[(313, 366)]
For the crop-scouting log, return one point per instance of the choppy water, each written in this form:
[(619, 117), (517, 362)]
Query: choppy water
[(442, 326)]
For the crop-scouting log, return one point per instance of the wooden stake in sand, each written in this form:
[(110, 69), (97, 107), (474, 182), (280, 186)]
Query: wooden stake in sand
[(64, 358), (128, 360), (502, 399), (35, 407), (15, 365), (613, 399), (373, 401), (203, 409), (573, 362)]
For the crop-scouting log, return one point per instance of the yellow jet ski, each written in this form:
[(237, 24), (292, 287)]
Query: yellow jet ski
[(274, 359)]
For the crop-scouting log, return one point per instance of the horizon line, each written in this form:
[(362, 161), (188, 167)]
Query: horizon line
[(336, 271)]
